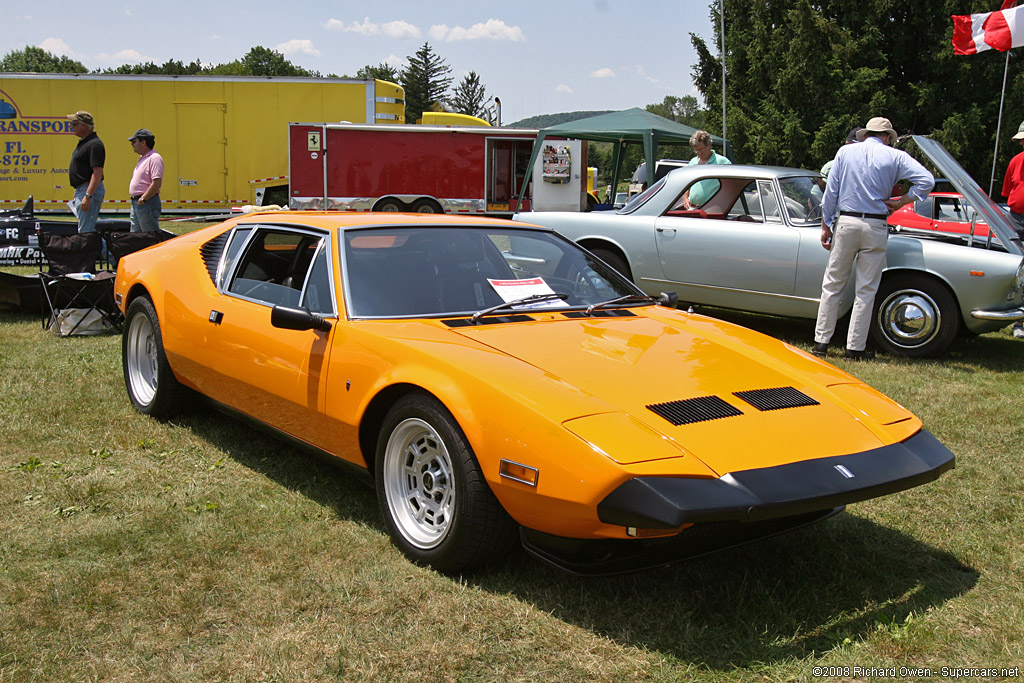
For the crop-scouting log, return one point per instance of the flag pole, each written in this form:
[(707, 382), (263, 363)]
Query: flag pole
[(999, 126)]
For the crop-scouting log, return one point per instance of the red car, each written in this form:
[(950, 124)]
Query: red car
[(942, 212)]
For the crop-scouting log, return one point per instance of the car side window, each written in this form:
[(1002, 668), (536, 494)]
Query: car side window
[(769, 202), (747, 206), (275, 266), (318, 296)]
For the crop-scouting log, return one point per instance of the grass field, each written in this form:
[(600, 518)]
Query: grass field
[(197, 550)]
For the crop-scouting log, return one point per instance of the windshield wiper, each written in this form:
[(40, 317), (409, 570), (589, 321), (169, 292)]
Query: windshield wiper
[(629, 298), (533, 298)]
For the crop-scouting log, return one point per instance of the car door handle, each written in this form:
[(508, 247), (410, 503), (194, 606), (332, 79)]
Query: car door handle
[(661, 229), (216, 317)]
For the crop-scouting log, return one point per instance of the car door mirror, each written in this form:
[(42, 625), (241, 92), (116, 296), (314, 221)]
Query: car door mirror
[(668, 299), (288, 318)]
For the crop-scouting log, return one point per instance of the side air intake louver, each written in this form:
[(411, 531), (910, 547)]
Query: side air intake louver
[(776, 399), (693, 410), (211, 252)]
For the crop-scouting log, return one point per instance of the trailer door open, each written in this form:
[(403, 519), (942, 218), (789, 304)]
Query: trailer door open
[(507, 159)]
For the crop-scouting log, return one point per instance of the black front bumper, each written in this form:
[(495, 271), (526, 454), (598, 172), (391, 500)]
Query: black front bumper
[(774, 492)]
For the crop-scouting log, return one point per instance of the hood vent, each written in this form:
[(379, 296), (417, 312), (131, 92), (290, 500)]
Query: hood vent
[(693, 410), (776, 399)]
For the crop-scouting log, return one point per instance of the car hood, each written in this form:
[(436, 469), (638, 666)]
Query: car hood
[(989, 212), (646, 367)]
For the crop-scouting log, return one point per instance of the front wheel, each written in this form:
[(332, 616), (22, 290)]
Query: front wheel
[(152, 387), (436, 504), (615, 261), (915, 317)]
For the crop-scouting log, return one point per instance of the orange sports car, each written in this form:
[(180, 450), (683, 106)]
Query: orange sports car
[(499, 385)]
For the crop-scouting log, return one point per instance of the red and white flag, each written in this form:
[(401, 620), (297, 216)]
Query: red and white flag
[(999, 30)]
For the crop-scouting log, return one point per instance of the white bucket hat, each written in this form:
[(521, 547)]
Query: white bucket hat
[(877, 125)]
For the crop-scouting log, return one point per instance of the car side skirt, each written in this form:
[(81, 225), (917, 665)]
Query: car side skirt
[(775, 492)]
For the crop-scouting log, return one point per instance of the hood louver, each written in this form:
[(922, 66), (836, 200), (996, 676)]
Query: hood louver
[(776, 399), (705, 408)]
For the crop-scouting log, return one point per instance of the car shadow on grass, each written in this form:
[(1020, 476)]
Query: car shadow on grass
[(786, 597), (783, 598)]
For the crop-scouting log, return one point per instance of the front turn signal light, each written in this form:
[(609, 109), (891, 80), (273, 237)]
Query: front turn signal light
[(515, 471)]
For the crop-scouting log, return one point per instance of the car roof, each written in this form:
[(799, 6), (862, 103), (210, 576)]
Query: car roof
[(335, 220)]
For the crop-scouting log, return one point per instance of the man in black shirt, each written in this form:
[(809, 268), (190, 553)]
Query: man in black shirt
[(86, 171)]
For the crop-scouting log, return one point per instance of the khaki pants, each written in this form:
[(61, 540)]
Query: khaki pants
[(863, 240)]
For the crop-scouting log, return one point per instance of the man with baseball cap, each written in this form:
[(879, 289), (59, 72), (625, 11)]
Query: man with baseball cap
[(144, 189), (86, 170), (1013, 190), (854, 208)]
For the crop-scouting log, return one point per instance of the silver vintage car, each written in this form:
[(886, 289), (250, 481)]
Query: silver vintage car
[(753, 244)]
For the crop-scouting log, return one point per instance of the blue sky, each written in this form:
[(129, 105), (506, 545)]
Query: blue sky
[(538, 57)]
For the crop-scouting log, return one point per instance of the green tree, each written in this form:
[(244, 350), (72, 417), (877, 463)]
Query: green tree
[(470, 97), (38, 60), (801, 74), (425, 79), (261, 61), (383, 72), (169, 68)]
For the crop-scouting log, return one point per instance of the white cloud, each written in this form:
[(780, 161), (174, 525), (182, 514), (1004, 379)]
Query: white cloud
[(123, 57), (396, 61), (298, 46), (57, 46), (400, 29), (391, 29), (494, 29), (562, 87), (602, 73)]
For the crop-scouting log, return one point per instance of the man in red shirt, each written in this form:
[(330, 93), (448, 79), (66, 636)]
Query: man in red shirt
[(1013, 190)]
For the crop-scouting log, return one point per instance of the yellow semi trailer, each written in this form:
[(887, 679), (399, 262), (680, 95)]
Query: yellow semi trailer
[(224, 140)]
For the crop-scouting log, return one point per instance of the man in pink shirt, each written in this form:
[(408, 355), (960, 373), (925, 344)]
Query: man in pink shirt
[(146, 180)]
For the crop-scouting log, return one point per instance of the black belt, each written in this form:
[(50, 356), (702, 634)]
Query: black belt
[(138, 196), (858, 214)]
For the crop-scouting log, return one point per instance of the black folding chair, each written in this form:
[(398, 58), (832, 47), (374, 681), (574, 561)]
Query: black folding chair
[(78, 299), (123, 243)]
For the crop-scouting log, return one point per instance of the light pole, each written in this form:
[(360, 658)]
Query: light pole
[(721, 50)]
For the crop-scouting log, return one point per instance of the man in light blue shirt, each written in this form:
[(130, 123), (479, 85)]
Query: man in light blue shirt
[(857, 201)]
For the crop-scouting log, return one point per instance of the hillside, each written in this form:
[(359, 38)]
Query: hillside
[(548, 120)]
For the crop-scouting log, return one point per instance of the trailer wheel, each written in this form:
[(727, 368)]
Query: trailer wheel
[(426, 206), (389, 206)]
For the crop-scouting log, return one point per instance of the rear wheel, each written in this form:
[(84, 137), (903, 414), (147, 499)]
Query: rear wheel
[(915, 316), (389, 206), (436, 504), (426, 206), (615, 261), (152, 387)]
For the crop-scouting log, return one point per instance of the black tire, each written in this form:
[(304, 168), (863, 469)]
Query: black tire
[(426, 206), (436, 504), (389, 206), (151, 384), (915, 316), (615, 261)]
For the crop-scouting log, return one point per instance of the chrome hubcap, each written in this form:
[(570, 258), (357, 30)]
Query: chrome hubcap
[(909, 318), (418, 483)]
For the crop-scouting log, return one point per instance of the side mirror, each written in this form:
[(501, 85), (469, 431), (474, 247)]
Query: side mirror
[(669, 299), (287, 318)]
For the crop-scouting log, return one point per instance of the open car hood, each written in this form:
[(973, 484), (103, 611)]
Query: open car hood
[(989, 212)]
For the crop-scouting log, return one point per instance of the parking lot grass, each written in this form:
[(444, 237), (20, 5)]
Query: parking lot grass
[(199, 549)]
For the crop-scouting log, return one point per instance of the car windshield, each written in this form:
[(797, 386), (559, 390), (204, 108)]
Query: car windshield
[(433, 271), (802, 198)]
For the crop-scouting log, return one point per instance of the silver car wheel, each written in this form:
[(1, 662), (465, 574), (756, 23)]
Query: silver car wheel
[(141, 359), (418, 483), (909, 318)]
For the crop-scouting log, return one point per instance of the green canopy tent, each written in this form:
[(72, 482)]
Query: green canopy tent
[(637, 126)]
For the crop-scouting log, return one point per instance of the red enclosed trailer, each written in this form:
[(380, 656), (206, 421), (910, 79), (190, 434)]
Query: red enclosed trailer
[(426, 169)]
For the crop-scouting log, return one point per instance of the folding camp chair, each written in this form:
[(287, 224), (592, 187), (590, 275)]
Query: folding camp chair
[(121, 243), (77, 299)]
